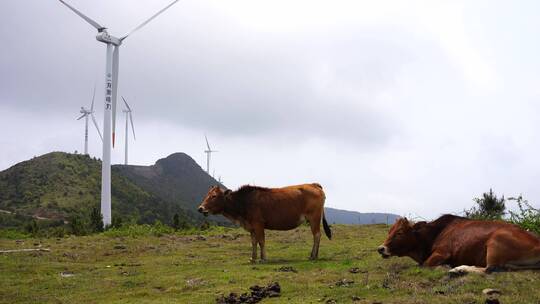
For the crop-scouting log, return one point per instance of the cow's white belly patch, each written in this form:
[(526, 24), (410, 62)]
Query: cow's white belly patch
[(301, 220)]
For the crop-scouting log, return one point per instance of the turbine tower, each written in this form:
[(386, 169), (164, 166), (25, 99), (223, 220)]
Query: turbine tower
[(85, 113), (111, 88), (208, 155), (129, 118)]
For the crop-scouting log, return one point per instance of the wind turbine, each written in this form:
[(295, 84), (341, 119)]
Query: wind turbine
[(208, 155), (111, 89), (85, 113), (130, 118)]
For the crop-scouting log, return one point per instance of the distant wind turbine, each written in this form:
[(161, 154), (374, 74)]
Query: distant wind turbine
[(208, 155), (111, 89), (130, 118), (85, 113)]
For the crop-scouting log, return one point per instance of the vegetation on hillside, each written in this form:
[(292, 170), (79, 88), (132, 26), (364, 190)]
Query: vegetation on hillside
[(61, 186), (175, 178)]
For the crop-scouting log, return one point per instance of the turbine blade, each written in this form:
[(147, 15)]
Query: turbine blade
[(93, 97), (207, 144), (116, 63), (92, 22), (146, 22), (82, 116), (126, 103), (132, 127), (95, 124)]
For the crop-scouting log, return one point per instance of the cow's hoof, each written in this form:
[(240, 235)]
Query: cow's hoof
[(464, 269), (262, 261), (458, 271)]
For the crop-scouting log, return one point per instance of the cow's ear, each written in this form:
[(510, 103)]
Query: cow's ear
[(227, 192)]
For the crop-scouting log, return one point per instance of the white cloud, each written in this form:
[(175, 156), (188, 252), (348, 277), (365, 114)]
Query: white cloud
[(412, 107)]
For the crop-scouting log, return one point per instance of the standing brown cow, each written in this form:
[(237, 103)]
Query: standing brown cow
[(467, 245), (257, 208)]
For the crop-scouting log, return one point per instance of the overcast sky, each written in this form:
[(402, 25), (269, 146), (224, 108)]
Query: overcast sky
[(410, 107)]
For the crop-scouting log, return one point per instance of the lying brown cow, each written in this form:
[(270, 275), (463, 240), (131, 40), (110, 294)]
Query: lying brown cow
[(257, 208), (467, 245)]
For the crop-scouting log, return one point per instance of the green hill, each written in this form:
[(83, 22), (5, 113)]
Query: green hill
[(60, 185), (176, 178)]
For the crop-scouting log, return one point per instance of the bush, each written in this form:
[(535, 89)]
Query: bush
[(204, 225), (78, 226), (489, 207), (116, 222), (528, 217), (180, 224), (13, 234), (96, 220), (32, 227)]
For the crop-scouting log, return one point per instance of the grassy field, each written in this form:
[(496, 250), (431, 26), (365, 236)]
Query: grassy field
[(175, 268)]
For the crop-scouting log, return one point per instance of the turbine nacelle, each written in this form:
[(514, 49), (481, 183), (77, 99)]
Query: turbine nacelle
[(105, 37)]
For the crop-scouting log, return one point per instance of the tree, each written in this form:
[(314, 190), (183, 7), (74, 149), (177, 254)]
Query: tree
[(489, 207), (96, 220), (32, 227), (117, 222), (77, 225), (176, 221)]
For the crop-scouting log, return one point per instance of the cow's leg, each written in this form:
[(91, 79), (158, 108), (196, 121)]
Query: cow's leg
[(315, 223), (259, 235), (436, 259), (464, 269), (253, 247), (506, 251)]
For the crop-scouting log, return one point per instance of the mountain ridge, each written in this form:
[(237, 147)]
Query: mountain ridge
[(60, 185)]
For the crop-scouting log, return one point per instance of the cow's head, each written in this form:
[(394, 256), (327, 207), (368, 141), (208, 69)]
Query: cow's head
[(402, 240), (214, 202)]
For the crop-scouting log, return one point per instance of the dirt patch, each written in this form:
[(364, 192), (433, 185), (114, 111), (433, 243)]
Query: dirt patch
[(287, 269), (195, 282), (344, 283), (229, 237), (256, 295), (357, 270)]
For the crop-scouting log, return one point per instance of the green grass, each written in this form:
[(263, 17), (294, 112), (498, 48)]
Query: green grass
[(184, 268)]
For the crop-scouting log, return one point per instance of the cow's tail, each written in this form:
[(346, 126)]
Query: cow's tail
[(326, 227)]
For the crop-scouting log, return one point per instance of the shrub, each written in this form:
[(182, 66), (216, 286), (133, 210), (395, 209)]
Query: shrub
[(77, 225), (176, 221), (204, 225), (489, 207), (13, 234), (180, 224), (96, 220), (527, 217), (116, 222), (32, 227)]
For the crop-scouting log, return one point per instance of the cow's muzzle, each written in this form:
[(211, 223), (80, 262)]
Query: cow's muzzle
[(383, 251), (203, 211)]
